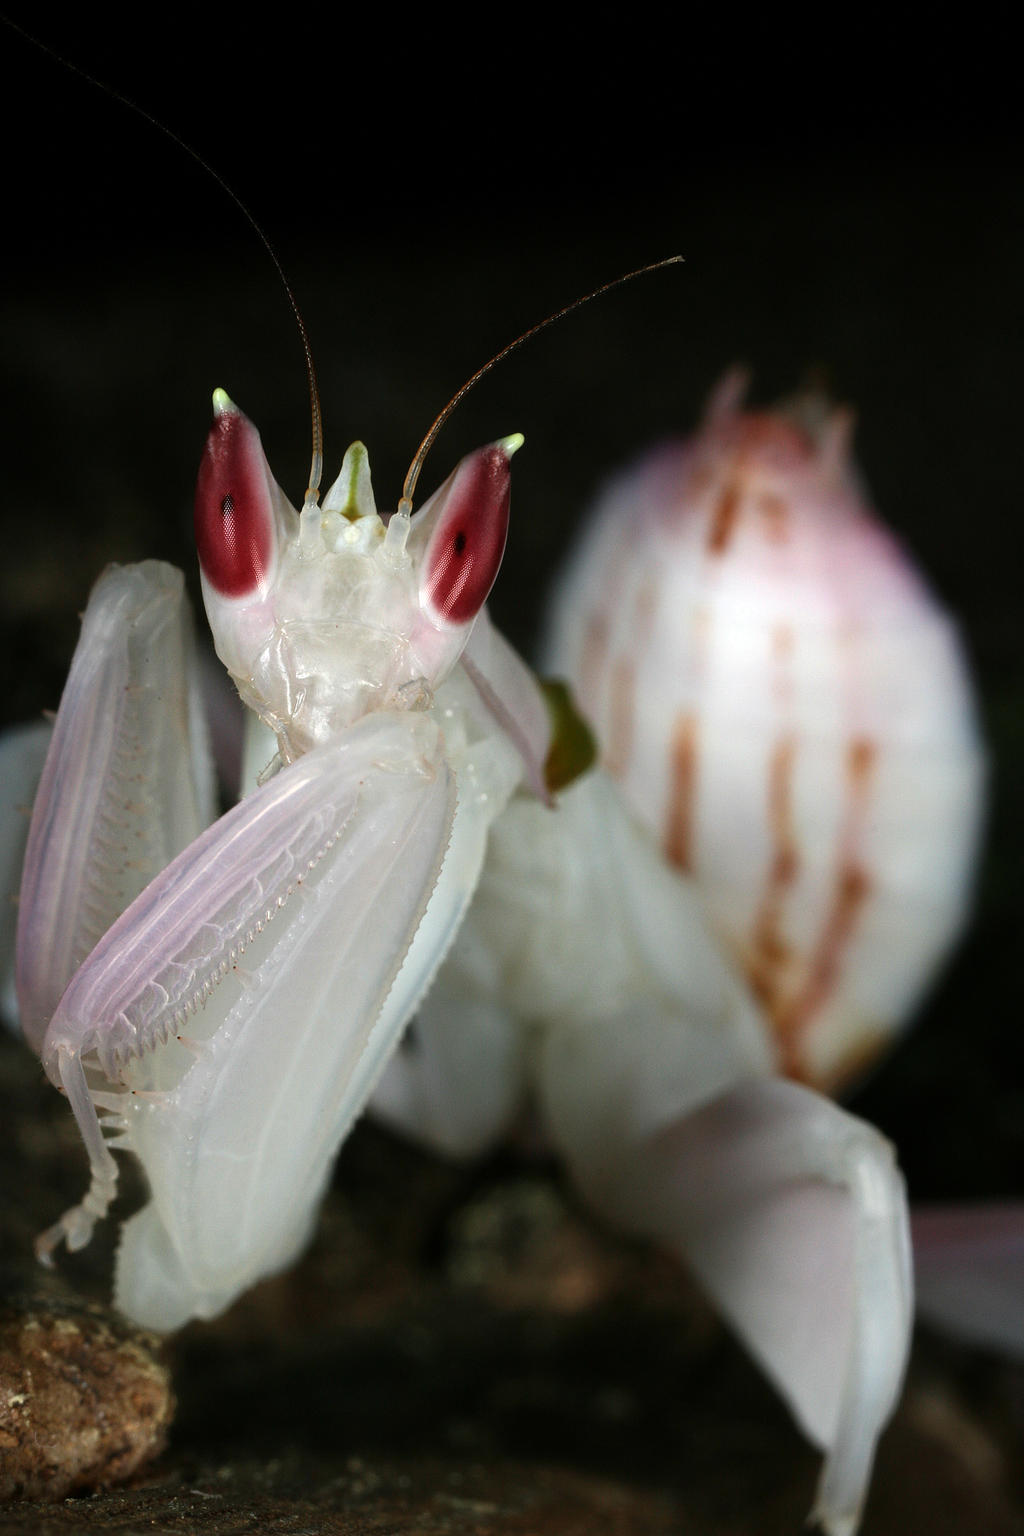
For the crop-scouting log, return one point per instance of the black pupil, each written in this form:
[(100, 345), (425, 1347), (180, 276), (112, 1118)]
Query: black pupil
[(459, 542), (227, 506)]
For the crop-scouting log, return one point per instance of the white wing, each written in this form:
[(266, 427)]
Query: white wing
[(127, 783), (293, 917)]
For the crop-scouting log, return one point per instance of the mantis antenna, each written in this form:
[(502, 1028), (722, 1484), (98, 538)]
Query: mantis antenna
[(312, 495), (405, 505)]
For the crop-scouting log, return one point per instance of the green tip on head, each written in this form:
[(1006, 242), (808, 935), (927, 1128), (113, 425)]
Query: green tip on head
[(512, 444), (352, 493), (222, 402)]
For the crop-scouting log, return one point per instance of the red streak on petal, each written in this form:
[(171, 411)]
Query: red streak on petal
[(682, 792), (850, 892)]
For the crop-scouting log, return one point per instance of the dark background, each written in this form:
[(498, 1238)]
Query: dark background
[(848, 204)]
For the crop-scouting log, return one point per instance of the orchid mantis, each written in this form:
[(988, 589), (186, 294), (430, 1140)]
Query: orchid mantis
[(150, 949), (226, 995)]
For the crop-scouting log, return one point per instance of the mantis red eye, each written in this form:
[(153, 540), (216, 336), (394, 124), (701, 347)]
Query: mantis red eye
[(234, 517), (468, 540)]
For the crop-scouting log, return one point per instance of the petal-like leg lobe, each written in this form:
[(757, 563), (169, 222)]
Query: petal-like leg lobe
[(793, 1216)]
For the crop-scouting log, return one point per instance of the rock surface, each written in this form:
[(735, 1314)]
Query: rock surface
[(85, 1400)]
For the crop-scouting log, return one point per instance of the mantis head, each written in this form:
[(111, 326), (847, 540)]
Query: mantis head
[(325, 615)]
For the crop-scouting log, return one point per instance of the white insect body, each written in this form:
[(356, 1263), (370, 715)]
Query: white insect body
[(788, 711), (228, 998)]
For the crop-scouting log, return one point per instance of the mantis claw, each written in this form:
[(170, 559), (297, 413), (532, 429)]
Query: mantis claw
[(75, 1227), (47, 1242)]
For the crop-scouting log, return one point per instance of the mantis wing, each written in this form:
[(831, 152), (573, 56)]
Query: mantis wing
[(279, 935), (127, 783)]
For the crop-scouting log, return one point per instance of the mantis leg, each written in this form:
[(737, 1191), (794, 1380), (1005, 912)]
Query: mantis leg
[(365, 852), (75, 1226), (656, 1080), (460, 1076), (793, 1216), (281, 940)]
